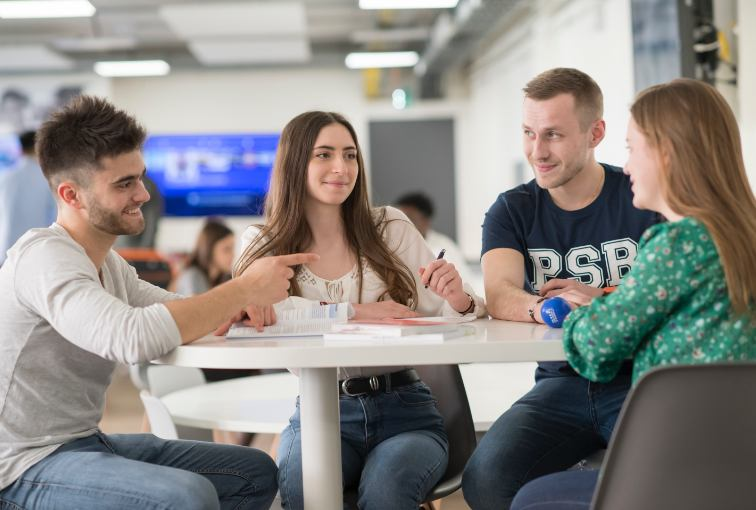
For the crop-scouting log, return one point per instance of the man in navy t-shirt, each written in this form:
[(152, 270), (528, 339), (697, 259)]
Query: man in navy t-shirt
[(573, 228)]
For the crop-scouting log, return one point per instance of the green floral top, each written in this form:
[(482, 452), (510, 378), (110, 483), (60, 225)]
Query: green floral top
[(672, 308)]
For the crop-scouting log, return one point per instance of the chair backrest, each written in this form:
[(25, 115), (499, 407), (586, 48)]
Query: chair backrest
[(685, 439), (445, 381), (161, 423), (138, 375), (164, 379)]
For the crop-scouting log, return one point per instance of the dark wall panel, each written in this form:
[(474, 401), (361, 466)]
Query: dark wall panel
[(415, 155)]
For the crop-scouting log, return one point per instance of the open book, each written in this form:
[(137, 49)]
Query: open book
[(377, 337), (442, 327), (296, 316), (420, 329)]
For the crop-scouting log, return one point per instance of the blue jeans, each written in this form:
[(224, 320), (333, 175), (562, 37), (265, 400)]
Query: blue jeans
[(558, 423), (142, 471), (393, 449), (570, 490)]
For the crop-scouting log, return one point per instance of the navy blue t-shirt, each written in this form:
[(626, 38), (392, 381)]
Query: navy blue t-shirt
[(595, 245)]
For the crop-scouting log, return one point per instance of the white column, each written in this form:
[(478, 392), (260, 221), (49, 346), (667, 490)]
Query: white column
[(321, 439), (747, 84)]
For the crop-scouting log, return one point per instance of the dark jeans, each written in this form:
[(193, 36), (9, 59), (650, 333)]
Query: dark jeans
[(558, 423), (143, 471), (394, 449), (570, 490)]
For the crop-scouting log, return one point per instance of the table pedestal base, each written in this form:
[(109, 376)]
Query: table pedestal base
[(321, 438)]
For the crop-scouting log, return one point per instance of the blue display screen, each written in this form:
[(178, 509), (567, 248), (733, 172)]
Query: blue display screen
[(211, 174), (10, 150)]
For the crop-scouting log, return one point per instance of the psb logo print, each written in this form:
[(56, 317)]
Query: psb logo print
[(587, 264)]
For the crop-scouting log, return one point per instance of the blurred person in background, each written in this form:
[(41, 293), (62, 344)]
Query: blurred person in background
[(26, 199), (211, 261), (419, 209)]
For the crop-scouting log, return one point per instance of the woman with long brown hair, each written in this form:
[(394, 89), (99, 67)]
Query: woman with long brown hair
[(691, 295), (210, 262), (394, 448)]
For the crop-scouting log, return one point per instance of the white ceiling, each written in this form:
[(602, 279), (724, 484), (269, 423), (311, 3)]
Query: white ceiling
[(243, 34), (190, 33)]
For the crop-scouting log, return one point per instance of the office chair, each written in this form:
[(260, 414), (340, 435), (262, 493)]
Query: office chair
[(164, 379), (685, 439), (446, 383)]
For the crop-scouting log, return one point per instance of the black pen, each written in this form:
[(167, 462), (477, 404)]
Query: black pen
[(440, 256)]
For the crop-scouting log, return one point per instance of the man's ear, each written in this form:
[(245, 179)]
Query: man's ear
[(598, 131), (69, 193)]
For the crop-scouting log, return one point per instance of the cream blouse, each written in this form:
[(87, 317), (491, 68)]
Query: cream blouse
[(402, 238)]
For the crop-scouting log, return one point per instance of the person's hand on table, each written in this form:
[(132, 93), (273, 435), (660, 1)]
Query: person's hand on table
[(260, 316), (223, 328), (270, 276), (577, 298), (580, 293)]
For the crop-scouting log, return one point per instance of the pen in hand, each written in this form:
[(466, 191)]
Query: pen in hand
[(440, 256)]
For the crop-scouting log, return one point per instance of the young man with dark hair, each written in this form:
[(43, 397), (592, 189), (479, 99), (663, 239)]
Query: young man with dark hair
[(573, 228), (72, 308)]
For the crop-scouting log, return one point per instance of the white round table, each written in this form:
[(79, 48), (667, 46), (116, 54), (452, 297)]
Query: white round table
[(317, 361)]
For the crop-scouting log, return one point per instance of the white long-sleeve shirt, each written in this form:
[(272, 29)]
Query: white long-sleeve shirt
[(405, 241), (63, 329)]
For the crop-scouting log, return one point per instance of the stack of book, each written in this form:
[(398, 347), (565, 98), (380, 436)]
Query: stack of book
[(425, 329)]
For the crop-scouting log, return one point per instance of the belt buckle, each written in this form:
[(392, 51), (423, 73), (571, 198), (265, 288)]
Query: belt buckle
[(345, 389)]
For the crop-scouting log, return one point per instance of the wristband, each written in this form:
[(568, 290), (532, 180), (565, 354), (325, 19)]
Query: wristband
[(531, 311), (471, 307)]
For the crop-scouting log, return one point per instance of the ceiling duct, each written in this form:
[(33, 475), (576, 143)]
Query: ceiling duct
[(456, 35)]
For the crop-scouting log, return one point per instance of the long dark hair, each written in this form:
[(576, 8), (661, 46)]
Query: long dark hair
[(202, 256), (286, 229)]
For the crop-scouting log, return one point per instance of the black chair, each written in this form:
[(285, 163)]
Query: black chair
[(685, 439), (449, 389)]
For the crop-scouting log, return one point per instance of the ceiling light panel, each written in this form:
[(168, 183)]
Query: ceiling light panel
[(46, 9), (31, 58), (408, 4), (235, 19), (125, 68), (374, 60), (391, 35), (229, 52), (94, 44)]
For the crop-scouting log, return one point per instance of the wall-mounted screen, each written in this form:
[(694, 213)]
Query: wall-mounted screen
[(211, 174), (10, 151)]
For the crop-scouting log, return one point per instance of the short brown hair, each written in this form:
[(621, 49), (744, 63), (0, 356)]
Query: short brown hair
[(76, 138), (589, 101)]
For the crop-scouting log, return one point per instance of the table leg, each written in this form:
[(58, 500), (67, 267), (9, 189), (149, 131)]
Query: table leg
[(321, 438)]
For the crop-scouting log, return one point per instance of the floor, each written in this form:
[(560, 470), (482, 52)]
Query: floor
[(123, 414)]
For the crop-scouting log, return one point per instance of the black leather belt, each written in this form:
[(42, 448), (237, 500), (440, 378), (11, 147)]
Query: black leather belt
[(355, 386)]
